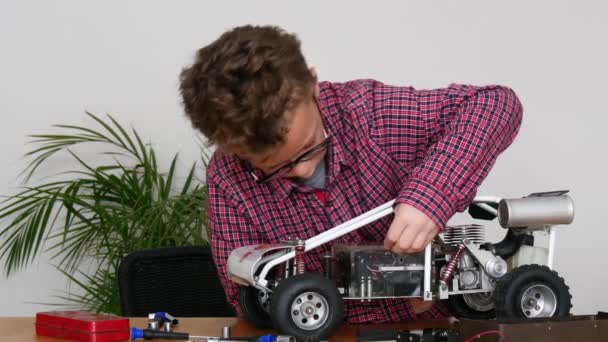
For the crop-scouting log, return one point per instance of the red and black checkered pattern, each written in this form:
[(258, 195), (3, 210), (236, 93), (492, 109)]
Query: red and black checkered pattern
[(428, 148)]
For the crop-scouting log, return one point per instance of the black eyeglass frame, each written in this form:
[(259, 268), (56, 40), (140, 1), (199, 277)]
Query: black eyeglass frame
[(308, 155)]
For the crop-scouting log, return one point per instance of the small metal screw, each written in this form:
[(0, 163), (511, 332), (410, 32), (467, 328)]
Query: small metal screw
[(153, 325), (226, 332)]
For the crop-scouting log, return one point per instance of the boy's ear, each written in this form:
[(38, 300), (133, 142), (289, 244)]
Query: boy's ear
[(313, 72)]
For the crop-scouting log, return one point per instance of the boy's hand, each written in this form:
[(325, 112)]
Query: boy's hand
[(410, 231)]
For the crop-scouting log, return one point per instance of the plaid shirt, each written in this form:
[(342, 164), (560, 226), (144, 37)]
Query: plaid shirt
[(428, 148)]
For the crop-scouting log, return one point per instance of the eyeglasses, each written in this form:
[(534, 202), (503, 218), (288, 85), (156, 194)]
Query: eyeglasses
[(308, 155)]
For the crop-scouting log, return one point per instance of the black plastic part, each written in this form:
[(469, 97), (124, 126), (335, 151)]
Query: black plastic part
[(460, 309), (549, 193), (477, 212), (252, 309), (510, 244), (327, 266), (286, 293), (509, 290), (396, 335), (440, 335), (150, 334), (373, 335)]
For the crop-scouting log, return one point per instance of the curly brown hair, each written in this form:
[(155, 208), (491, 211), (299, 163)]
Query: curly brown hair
[(241, 88)]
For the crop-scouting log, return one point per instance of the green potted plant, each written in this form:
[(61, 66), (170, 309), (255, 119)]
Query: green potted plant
[(98, 213)]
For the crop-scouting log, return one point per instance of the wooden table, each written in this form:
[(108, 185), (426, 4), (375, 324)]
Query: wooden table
[(21, 329)]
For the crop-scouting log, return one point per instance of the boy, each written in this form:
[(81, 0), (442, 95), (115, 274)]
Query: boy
[(296, 157)]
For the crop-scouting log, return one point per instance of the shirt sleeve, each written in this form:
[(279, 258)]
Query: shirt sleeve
[(229, 229), (447, 139)]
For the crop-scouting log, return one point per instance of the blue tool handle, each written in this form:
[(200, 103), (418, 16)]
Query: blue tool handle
[(148, 334), (266, 338), (167, 317)]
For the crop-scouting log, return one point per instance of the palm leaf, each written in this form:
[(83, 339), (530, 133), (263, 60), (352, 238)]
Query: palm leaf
[(103, 211)]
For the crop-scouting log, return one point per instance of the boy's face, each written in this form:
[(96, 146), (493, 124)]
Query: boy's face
[(305, 131)]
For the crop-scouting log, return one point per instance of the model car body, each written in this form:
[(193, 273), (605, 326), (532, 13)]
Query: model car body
[(511, 278)]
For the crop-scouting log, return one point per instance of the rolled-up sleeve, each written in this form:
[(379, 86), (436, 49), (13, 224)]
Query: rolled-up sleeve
[(453, 134)]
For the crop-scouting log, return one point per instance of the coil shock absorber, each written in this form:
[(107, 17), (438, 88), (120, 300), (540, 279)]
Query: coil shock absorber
[(300, 264), (451, 266), (327, 271)]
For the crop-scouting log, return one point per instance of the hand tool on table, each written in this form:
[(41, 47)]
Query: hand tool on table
[(149, 334)]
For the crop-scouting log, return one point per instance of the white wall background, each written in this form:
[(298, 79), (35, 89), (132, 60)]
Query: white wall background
[(59, 58)]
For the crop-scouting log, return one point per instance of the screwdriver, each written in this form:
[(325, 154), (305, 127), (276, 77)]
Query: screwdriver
[(265, 338), (149, 334)]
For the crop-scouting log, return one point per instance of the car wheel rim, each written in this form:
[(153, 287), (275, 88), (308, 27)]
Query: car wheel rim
[(538, 301), (309, 310), (264, 300), (482, 302)]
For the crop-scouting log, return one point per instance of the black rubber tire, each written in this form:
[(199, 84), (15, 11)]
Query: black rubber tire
[(287, 292), (510, 288), (460, 309), (252, 309)]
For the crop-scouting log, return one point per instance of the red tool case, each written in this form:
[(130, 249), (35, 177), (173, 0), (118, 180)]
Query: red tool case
[(82, 326)]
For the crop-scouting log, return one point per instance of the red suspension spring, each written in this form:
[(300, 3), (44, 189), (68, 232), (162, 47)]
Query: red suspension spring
[(300, 264), (451, 266)]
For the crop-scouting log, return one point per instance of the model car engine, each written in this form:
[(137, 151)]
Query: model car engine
[(373, 272), (469, 274)]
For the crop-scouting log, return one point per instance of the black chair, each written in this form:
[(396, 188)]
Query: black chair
[(182, 281)]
